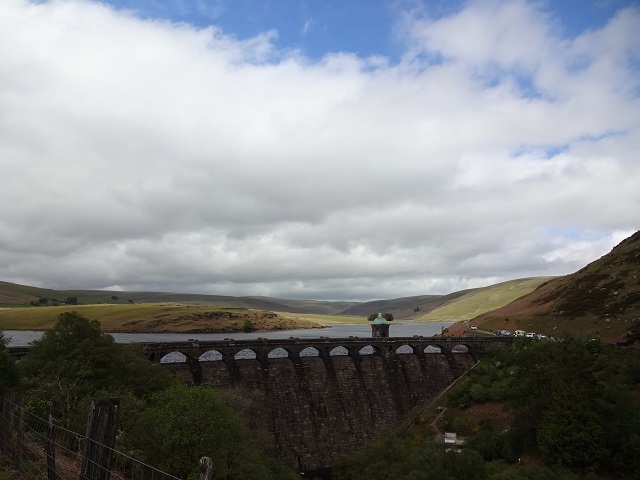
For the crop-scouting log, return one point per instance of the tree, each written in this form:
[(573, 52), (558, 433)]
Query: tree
[(9, 376), (395, 458), (75, 359), (183, 424), (71, 300), (247, 326)]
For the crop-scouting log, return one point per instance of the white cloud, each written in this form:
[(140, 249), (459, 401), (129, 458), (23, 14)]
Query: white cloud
[(152, 155)]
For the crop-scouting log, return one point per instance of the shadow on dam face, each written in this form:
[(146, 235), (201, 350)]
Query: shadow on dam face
[(316, 401)]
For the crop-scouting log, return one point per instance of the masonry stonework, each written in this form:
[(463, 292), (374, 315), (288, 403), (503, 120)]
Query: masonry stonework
[(319, 407)]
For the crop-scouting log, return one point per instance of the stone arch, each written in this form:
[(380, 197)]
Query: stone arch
[(245, 354), (370, 350), (211, 356), (339, 351), (174, 357), (278, 353), (404, 349), (432, 349), (461, 348), (309, 352)]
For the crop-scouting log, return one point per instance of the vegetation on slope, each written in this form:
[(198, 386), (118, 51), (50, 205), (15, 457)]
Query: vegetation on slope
[(601, 299), (158, 318), (481, 300), (540, 410), (161, 421)]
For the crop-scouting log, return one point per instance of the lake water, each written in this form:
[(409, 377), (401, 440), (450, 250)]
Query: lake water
[(398, 328)]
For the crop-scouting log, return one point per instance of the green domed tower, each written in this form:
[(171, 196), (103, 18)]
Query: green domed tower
[(380, 327)]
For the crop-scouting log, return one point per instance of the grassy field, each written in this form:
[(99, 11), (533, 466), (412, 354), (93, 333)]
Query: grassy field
[(167, 317), (482, 300)]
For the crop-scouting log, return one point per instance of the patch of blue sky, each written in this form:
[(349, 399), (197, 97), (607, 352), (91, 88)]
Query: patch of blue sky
[(573, 234), (543, 151), (574, 17), (360, 27), (602, 136), (494, 75)]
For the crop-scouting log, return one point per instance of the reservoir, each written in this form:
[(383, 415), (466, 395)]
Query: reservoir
[(398, 328)]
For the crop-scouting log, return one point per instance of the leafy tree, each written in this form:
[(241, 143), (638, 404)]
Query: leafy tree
[(71, 300), (247, 326), (75, 359), (114, 297), (9, 376), (183, 424)]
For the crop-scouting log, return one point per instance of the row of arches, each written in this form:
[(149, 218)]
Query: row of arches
[(280, 352)]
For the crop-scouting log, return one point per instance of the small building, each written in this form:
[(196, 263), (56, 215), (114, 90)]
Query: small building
[(380, 327), (450, 438)]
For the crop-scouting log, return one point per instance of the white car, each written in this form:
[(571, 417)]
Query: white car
[(473, 327), (530, 335)]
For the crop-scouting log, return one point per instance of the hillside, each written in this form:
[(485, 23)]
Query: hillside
[(601, 299), (15, 295), (471, 303), (451, 307)]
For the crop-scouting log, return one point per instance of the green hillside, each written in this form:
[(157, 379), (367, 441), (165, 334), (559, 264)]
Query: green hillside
[(475, 302), (455, 306)]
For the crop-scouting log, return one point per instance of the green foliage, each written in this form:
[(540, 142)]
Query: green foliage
[(573, 399), (494, 444), (401, 459), (247, 326), (183, 424), (9, 376), (75, 359)]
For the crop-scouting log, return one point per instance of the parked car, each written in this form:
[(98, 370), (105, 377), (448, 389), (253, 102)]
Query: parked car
[(473, 327), (503, 333), (520, 333), (530, 335)]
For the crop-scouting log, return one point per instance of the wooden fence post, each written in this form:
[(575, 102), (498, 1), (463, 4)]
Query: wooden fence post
[(101, 436), (49, 446), (205, 468), (6, 420)]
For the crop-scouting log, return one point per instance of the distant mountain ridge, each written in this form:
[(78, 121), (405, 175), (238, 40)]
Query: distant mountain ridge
[(414, 307)]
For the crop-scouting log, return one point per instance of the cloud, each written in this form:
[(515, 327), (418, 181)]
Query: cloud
[(153, 155)]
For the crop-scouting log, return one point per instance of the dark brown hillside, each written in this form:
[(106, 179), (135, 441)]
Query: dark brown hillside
[(601, 299)]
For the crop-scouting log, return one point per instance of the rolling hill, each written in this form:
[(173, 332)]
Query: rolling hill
[(452, 307), (601, 299)]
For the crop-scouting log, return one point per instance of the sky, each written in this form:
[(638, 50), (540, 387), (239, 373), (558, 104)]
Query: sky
[(330, 150)]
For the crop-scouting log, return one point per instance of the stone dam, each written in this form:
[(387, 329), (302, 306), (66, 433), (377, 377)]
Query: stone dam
[(317, 399)]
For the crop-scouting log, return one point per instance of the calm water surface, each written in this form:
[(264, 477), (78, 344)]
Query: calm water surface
[(398, 328)]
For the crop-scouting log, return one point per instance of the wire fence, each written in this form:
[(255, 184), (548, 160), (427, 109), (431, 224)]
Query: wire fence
[(43, 450)]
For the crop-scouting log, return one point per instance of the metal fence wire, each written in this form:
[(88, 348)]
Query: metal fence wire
[(43, 450)]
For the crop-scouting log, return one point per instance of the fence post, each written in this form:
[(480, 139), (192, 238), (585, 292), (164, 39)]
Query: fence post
[(49, 447), (205, 468), (6, 420), (101, 437)]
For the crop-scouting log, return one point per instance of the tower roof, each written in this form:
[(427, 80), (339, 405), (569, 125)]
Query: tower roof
[(380, 320)]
